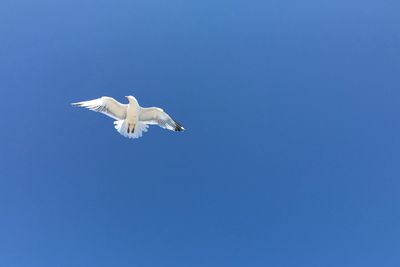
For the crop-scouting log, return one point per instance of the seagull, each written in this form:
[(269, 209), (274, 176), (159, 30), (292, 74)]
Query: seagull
[(131, 120)]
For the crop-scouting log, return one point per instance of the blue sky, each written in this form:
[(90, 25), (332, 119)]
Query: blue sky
[(291, 152)]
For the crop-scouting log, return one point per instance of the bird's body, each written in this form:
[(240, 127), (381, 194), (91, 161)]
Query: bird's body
[(131, 120), (132, 115)]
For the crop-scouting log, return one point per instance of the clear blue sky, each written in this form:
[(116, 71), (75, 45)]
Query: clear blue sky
[(291, 154)]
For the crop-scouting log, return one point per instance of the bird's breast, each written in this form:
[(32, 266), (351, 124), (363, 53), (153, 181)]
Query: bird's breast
[(132, 113)]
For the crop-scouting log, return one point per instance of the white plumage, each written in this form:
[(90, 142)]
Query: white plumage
[(131, 120)]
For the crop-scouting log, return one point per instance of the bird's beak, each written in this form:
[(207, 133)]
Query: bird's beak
[(126, 96)]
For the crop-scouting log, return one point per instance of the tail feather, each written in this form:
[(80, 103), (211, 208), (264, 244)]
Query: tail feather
[(122, 127)]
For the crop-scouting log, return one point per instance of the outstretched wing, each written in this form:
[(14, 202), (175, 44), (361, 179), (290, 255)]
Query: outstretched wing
[(106, 105), (159, 117)]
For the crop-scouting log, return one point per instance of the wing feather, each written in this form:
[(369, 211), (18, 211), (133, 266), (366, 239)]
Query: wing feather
[(157, 116), (106, 105)]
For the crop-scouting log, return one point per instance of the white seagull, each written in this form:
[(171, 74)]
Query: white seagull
[(131, 120)]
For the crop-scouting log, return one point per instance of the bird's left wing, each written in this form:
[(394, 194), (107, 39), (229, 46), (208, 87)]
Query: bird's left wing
[(106, 105), (158, 116)]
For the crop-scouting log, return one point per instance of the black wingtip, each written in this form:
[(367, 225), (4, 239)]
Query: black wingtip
[(178, 127)]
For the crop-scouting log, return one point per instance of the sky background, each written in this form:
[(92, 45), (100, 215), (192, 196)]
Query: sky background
[(291, 154)]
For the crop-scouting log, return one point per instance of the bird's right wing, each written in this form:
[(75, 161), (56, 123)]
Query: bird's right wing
[(158, 116), (106, 105)]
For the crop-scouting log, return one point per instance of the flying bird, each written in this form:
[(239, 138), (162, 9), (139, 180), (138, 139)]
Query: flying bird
[(131, 120)]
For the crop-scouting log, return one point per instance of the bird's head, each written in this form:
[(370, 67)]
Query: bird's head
[(131, 99)]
